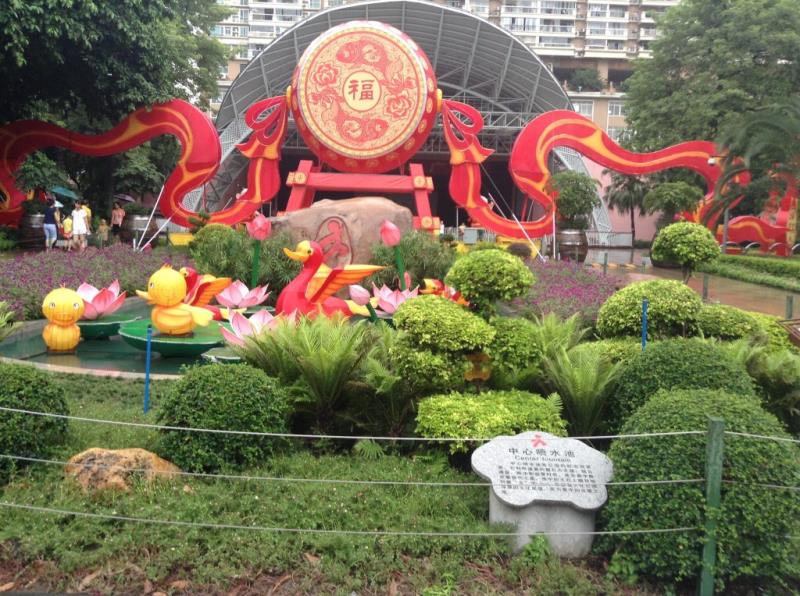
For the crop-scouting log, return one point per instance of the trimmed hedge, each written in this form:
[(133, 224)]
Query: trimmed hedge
[(686, 243), (515, 345), (753, 521), (488, 415), (440, 324), (743, 273), (615, 350), (24, 387), (675, 364), (673, 310), (485, 276), (728, 322), (222, 396), (425, 372)]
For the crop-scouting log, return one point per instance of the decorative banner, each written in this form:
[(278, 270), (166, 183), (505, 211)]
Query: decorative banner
[(364, 97), (564, 128)]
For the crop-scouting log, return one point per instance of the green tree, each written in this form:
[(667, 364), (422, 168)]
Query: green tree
[(713, 62), (671, 198), (586, 79), (686, 243), (576, 198), (85, 65), (626, 195)]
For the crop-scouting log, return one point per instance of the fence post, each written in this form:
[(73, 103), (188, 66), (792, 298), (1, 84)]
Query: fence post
[(148, 354), (714, 451), (645, 303), (705, 286), (605, 263), (789, 306)]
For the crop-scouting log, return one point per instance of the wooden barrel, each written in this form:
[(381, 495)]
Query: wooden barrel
[(133, 226), (32, 230), (572, 245)]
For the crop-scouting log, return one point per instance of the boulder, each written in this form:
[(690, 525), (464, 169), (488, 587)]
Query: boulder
[(346, 229), (98, 469)]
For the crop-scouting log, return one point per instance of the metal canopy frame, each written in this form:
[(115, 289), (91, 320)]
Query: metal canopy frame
[(475, 61)]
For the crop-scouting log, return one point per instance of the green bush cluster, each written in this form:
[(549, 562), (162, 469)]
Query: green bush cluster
[(614, 350), (222, 396), (486, 276), (777, 337), (439, 324), (753, 522), (423, 256), (25, 387), (733, 269), (487, 415), (672, 310), (686, 243), (727, 322), (222, 251), (675, 364), (780, 266), (515, 345), (436, 334)]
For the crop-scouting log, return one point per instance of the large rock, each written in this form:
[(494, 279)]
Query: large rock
[(99, 469), (347, 229)]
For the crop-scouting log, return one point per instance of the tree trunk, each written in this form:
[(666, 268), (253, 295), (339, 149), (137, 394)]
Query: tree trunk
[(633, 227)]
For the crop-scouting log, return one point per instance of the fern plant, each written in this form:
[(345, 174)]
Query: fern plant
[(554, 335), (583, 378), (7, 323)]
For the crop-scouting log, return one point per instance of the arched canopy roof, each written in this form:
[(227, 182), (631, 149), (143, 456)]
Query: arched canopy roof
[(475, 61)]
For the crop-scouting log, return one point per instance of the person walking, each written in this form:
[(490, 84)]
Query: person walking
[(117, 215), (79, 226), (50, 225)]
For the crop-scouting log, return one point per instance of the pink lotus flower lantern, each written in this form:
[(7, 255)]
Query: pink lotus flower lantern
[(389, 300), (390, 233), (360, 295), (243, 327), (259, 227), (238, 295), (101, 303)]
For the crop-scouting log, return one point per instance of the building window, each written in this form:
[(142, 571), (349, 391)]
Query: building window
[(617, 133), (598, 10), (244, 15), (315, 4), (616, 108), (584, 107), (597, 28)]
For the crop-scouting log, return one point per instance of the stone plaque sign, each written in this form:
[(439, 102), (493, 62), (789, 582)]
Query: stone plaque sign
[(536, 466), (545, 484)]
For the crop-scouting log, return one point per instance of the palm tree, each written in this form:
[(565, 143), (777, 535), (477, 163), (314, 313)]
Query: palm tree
[(626, 194), (768, 138)]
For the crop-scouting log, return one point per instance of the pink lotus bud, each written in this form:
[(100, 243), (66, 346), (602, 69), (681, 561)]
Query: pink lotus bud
[(407, 278), (259, 227), (359, 295), (390, 233)]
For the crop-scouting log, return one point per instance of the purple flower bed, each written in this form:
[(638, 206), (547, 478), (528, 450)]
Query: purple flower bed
[(566, 288), (27, 278)]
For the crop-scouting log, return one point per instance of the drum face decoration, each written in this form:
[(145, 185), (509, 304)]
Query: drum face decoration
[(364, 97)]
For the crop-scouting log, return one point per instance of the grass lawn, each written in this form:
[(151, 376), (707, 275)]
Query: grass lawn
[(52, 552)]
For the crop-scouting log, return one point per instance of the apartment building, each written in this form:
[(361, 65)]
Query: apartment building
[(570, 36)]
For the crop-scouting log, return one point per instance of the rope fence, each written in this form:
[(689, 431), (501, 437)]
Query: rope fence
[(317, 480)]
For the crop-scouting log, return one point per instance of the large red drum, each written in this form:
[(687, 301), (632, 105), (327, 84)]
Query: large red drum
[(364, 97)]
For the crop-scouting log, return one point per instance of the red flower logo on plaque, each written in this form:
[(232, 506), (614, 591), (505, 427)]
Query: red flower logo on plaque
[(326, 74), (363, 95)]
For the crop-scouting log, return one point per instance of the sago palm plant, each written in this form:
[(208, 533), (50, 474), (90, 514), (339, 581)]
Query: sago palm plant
[(584, 379)]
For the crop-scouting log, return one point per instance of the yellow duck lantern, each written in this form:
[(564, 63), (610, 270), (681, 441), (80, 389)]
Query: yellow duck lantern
[(63, 308), (166, 289)]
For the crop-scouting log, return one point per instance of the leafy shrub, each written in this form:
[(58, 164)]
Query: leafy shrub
[(675, 364), (686, 243), (423, 255), (515, 345), (520, 249), (7, 241), (727, 322), (576, 198), (318, 357), (487, 415), (222, 396), (25, 387), (753, 522), (777, 337), (779, 266), (43, 271), (440, 324), (220, 250), (564, 288), (554, 335), (7, 323), (486, 276), (584, 379), (673, 310), (622, 350), (424, 371), (735, 271)]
